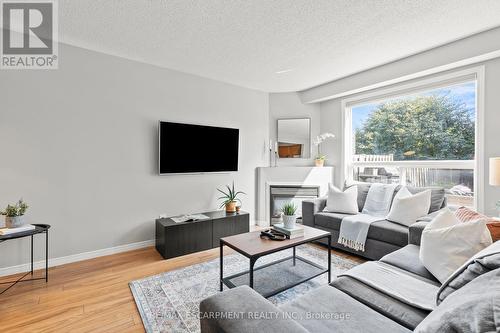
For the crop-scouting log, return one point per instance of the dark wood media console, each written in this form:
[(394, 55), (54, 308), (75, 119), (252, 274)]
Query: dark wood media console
[(177, 239)]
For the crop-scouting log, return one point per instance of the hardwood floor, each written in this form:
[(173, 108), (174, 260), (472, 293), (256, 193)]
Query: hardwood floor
[(91, 295)]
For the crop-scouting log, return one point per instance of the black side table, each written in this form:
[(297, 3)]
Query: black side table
[(39, 229)]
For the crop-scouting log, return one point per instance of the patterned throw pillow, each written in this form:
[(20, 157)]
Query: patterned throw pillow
[(465, 214)]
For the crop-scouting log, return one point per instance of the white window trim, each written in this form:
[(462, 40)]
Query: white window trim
[(477, 72)]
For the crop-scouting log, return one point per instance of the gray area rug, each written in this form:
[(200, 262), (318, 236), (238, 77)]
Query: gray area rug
[(169, 302)]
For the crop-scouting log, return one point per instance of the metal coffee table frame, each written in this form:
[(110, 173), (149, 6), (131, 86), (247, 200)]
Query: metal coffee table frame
[(226, 280)]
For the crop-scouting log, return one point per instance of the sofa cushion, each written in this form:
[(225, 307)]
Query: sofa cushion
[(407, 258), (485, 261), (390, 307), (374, 249), (245, 301), (384, 230), (329, 220), (415, 232), (389, 232), (363, 189), (437, 196), (473, 308), (405, 286), (347, 314)]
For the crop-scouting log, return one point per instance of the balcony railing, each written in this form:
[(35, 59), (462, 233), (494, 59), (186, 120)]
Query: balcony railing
[(457, 177)]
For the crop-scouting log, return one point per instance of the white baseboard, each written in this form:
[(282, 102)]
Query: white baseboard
[(76, 257)]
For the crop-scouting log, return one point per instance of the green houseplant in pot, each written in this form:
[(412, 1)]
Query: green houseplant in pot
[(289, 216), (14, 214), (230, 198)]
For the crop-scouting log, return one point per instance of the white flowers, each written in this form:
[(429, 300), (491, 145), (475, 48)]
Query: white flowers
[(322, 137), (319, 140)]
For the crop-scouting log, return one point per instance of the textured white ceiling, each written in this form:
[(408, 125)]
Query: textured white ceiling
[(245, 42)]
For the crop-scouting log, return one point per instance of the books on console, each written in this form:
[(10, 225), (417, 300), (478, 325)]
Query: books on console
[(297, 231), (189, 218), (10, 231)]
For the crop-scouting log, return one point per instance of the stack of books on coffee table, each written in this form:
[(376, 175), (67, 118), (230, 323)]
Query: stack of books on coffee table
[(296, 232)]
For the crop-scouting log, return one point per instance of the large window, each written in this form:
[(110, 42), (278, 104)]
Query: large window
[(423, 137)]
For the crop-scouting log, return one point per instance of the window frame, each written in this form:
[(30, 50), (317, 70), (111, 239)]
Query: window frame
[(413, 87)]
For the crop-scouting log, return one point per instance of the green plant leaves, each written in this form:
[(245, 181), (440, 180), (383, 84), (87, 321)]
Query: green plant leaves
[(18, 209), (431, 127), (230, 195), (289, 209)]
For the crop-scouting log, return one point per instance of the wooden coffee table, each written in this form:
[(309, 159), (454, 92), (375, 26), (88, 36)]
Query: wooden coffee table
[(253, 247)]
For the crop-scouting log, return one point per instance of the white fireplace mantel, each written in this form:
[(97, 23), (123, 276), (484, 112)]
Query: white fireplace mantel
[(299, 176)]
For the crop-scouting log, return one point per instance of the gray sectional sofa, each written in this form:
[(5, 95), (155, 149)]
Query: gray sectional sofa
[(384, 237), (469, 303)]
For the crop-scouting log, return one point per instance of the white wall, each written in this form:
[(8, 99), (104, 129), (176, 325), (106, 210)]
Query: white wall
[(79, 144), (289, 105), (331, 121), (491, 130)]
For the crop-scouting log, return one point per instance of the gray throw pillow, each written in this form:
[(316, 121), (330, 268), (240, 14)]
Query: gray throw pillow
[(476, 268), (473, 308)]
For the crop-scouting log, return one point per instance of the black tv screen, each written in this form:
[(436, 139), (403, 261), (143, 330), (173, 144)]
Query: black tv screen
[(186, 148)]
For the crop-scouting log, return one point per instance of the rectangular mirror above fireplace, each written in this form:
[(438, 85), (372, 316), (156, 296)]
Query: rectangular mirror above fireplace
[(294, 138)]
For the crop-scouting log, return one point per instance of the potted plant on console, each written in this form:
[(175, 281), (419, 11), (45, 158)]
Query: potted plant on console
[(230, 198), (289, 216), (14, 214)]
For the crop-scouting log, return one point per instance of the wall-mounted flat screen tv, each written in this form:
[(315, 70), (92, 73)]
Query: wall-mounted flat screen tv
[(187, 148)]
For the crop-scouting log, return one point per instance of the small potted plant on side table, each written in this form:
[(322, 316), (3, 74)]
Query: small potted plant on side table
[(230, 198), (14, 214), (289, 216)]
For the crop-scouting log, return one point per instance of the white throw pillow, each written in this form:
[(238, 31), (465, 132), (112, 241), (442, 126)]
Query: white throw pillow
[(407, 208), (342, 202), (447, 243)]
